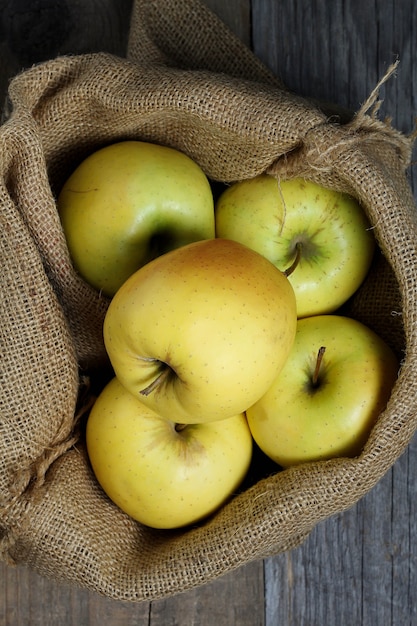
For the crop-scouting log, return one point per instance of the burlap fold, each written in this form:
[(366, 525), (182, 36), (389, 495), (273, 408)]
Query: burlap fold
[(190, 84)]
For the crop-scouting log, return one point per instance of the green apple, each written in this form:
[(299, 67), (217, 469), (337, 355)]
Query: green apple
[(327, 231), (129, 202), (202, 330), (163, 474), (326, 399)]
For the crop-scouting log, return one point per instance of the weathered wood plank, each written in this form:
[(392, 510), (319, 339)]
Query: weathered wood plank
[(28, 598), (236, 15), (338, 51), (34, 32), (358, 567), (235, 598)]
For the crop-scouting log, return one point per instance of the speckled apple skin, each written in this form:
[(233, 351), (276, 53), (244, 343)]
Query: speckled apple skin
[(294, 423), (129, 202), (219, 314), (158, 476), (271, 217)]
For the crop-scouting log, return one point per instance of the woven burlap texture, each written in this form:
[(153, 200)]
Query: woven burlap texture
[(190, 84)]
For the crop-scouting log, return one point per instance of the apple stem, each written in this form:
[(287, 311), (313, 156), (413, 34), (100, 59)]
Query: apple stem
[(319, 360), (292, 267), (157, 382), (180, 427)]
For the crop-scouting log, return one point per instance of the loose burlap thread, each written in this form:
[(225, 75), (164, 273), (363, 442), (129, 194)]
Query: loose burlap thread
[(187, 83)]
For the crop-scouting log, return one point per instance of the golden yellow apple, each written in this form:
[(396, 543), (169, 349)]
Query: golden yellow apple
[(129, 202), (163, 474), (324, 402), (202, 330), (327, 231)]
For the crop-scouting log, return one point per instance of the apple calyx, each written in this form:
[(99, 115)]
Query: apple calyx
[(315, 378), (159, 380), (161, 242), (294, 264)]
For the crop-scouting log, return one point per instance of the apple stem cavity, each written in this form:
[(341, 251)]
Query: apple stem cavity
[(157, 382), (294, 264), (319, 360)]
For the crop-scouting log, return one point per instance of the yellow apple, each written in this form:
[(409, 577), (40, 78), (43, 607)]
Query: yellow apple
[(202, 330), (324, 402), (129, 202), (329, 230), (163, 474)]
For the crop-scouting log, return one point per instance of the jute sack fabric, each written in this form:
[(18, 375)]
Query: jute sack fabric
[(190, 84)]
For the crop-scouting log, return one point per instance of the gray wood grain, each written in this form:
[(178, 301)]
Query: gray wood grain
[(358, 567), (338, 51), (236, 598)]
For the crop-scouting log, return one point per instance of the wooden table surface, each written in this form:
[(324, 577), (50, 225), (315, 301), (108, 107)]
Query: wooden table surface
[(359, 567)]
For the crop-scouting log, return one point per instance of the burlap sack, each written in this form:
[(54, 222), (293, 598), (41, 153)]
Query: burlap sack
[(189, 84)]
